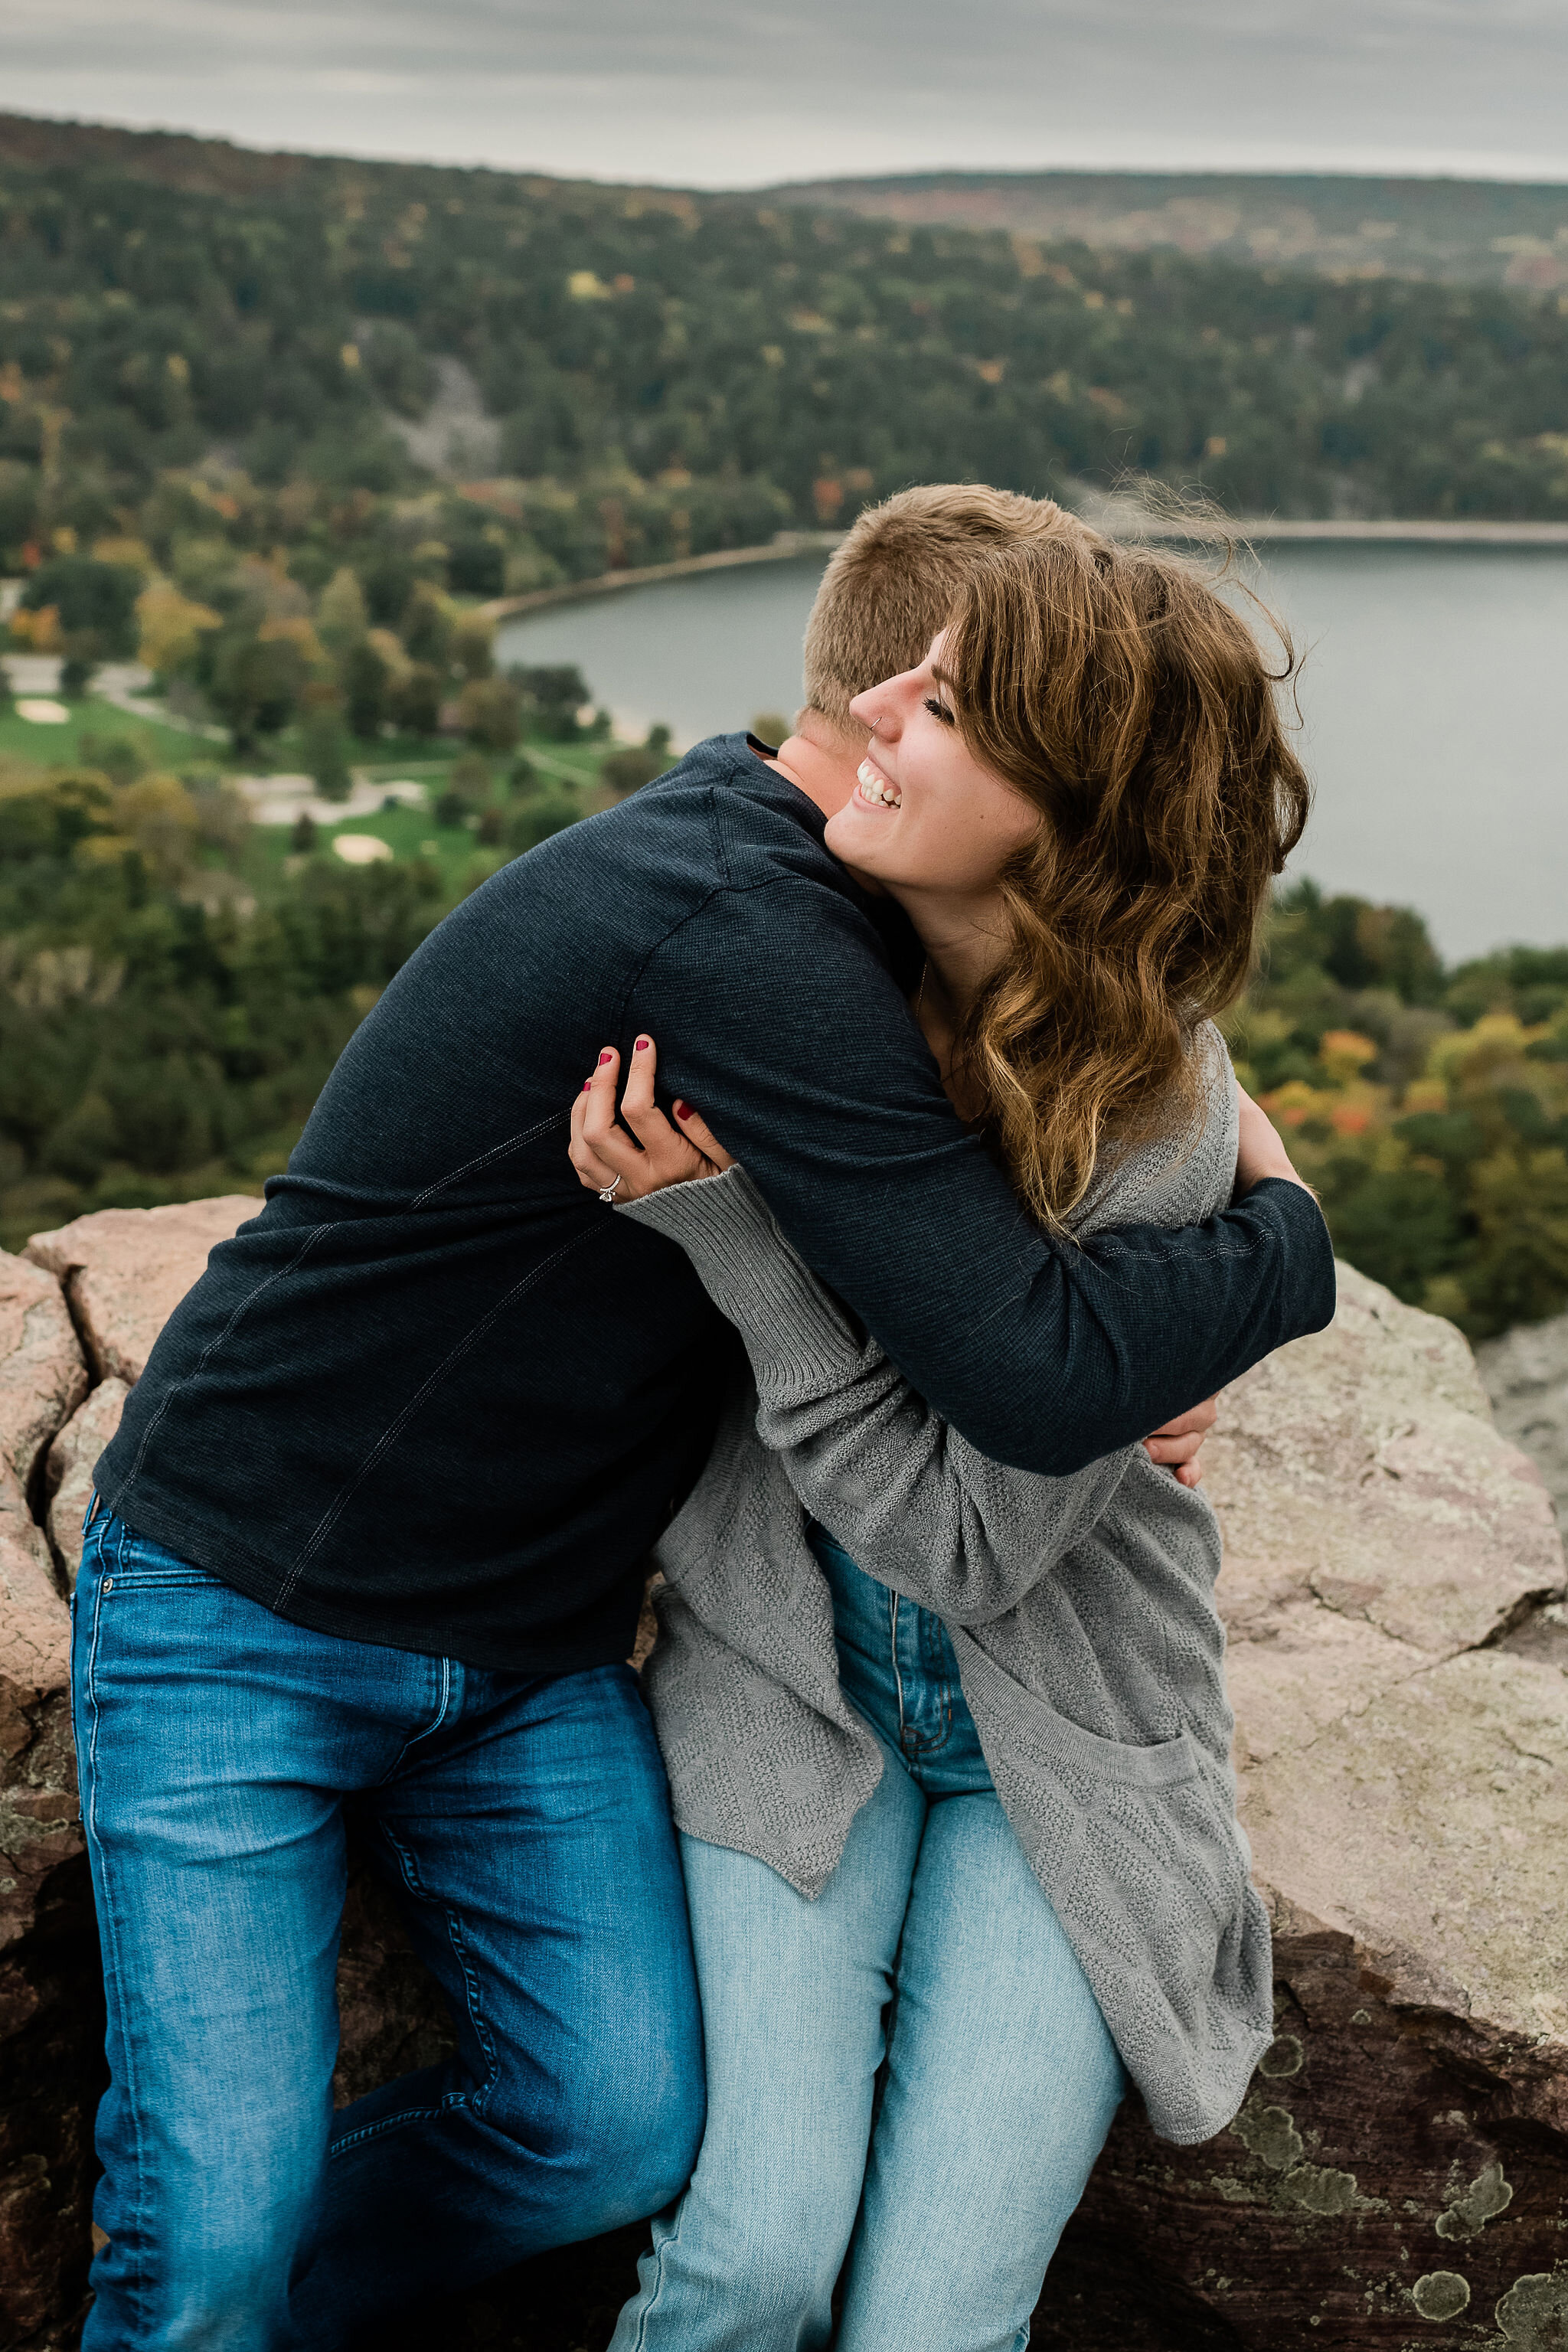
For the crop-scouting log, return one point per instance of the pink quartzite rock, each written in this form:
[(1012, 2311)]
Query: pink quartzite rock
[(67, 1476), (125, 1271), (43, 1378), (38, 1801), (50, 2005), (1399, 2172), (1398, 2175), (122, 1271)]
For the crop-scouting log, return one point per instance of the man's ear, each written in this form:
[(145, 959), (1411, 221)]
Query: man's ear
[(840, 739)]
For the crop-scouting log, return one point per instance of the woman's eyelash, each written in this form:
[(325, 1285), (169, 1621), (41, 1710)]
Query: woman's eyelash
[(939, 710)]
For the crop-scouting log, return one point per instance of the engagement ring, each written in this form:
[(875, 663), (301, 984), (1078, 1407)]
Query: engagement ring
[(609, 1191)]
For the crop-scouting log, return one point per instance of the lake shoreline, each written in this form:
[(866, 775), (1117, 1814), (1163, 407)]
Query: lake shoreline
[(1431, 729), (787, 548), (789, 545)]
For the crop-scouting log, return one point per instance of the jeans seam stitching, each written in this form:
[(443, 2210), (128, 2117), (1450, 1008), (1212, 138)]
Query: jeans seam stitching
[(430, 1730), (673, 2238), (475, 2101), (385, 2124), (897, 1666), (476, 2016)]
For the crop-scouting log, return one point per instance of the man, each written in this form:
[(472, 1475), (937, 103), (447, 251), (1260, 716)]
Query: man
[(374, 1527)]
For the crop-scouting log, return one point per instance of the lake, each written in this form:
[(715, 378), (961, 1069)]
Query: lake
[(1433, 699)]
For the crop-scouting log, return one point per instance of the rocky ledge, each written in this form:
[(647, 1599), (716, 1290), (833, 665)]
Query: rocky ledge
[(1393, 1587), (1398, 1663)]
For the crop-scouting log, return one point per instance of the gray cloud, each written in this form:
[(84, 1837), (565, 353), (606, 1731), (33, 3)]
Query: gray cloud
[(733, 92)]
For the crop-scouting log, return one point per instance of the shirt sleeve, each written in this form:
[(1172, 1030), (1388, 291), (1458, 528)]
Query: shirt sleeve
[(911, 1500), (775, 1014)]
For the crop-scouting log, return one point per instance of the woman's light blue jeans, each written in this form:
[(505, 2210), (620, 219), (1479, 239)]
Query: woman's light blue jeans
[(911, 2070)]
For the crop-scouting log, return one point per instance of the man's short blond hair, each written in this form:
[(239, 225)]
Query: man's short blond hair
[(892, 582)]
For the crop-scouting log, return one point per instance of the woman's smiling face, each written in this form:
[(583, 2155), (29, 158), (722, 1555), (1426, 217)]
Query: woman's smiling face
[(925, 816)]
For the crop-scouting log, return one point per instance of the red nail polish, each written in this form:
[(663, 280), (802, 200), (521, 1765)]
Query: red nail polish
[(605, 1057), (683, 1111), (587, 1086), (642, 1044)]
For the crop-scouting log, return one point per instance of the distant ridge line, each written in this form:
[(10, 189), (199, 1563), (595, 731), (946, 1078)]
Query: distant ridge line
[(1432, 227), (1327, 223)]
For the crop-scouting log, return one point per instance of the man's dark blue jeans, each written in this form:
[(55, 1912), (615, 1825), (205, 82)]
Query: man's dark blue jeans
[(524, 1823)]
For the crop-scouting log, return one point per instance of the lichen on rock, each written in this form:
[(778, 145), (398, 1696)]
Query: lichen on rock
[(1269, 2133), (1533, 2317), (1441, 2295), (1488, 2195)]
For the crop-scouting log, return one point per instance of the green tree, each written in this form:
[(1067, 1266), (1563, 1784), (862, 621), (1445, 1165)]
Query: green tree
[(628, 769), (95, 604), (553, 693), (472, 646), (256, 683), (413, 701), (18, 508), (81, 1145), (364, 687), (119, 756), (341, 615), (326, 754), (546, 812), (427, 628), (397, 367), (490, 712)]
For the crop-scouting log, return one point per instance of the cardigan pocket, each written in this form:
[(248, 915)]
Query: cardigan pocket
[(1012, 1715), (1155, 1868), (1143, 1835)]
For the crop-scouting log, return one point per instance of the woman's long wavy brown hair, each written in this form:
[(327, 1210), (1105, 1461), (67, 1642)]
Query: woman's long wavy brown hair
[(1117, 690)]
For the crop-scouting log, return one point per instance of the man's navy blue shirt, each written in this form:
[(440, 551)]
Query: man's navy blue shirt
[(437, 1395)]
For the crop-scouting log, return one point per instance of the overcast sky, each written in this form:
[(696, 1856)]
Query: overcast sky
[(739, 93)]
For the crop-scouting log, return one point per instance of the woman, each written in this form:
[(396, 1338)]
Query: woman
[(947, 1741)]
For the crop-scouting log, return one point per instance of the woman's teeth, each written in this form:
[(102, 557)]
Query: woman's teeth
[(874, 787)]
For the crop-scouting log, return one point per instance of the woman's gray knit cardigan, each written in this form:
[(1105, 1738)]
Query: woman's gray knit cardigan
[(1081, 1609)]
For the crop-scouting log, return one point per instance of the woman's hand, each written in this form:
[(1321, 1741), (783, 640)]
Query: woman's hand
[(606, 1157), (1177, 1445)]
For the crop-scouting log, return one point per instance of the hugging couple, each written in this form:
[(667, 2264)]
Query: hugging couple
[(814, 1178)]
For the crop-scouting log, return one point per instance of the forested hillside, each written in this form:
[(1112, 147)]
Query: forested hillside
[(671, 372), (224, 381), (1429, 1106), (171, 1003)]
